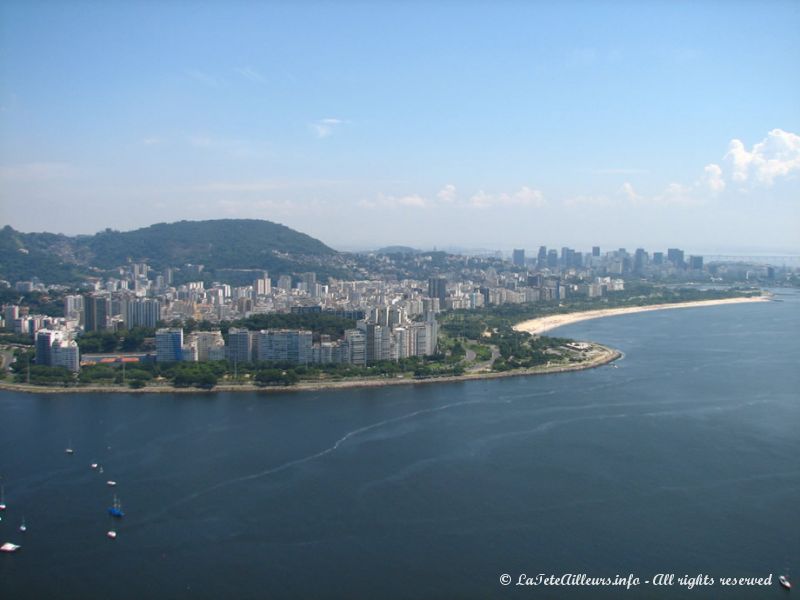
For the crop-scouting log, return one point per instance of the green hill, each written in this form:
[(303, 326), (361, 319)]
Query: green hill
[(218, 244)]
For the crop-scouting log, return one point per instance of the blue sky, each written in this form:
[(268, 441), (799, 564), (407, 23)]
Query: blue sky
[(474, 124)]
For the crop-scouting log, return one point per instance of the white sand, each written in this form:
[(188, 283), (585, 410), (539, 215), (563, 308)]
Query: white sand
[(542, 324)]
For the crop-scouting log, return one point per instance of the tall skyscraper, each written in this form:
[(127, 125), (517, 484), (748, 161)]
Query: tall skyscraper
[(97, 312), (518, 257), (696, 263), (541, 258), (675, 256), (437, 288)]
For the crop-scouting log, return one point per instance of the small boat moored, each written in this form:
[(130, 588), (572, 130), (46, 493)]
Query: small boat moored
[(23, 528), (2, 499), (94, 465), (9, 547), (784, 581), (111, 483), (111, 534), (115, 510)]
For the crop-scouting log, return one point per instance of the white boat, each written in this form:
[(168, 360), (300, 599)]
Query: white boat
[(68, 449), (9, 547), (23, 528), (2, 498), (94, 465), (111, 534), (111, 483), (785, 582)]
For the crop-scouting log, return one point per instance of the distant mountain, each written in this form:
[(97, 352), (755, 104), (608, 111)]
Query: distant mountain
[(217, 244), (397, 250)]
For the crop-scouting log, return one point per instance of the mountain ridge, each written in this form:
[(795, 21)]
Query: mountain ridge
[(216, 244)]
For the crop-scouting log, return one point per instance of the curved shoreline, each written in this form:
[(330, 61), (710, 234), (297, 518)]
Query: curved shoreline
[(542, 324), (601, 355)]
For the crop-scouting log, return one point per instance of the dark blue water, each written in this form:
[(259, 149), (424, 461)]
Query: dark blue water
[(685, 459)]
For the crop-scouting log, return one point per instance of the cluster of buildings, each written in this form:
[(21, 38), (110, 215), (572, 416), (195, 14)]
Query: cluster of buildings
[(395, 315), (371, 341), (615, 262)]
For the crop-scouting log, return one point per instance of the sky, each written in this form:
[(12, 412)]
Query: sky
[(365, 124)]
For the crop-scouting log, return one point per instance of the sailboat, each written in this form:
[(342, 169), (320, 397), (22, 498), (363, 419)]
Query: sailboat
[(2, 498), (115, 510)]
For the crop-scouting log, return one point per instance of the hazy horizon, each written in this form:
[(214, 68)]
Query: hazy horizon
[(471, 125)]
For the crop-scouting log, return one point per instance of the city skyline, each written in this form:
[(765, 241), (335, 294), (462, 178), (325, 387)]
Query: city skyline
[(453, 125)]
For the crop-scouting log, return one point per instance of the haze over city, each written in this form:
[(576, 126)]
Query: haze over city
[(456, 124)]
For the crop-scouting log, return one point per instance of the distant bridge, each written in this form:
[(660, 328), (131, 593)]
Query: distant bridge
[(757, 259)]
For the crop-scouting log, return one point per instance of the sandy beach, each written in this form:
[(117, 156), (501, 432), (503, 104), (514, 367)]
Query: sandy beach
[(543, 324)]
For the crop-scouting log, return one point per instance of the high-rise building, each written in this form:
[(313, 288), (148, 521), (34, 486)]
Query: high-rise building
[(10, 314), (66, 354), (518, 257), (240, 345), (675, 256), (552, 259), (142, 313), (310, 279), (356, 343), (97, 312), (53, 349), (696, 263), (210, 345), (73, 305), (284, 345), (285, 283), (263, 285), (595, 251), (437, 288), (169, 344), (45, 338), (639, 260), (541, 258)]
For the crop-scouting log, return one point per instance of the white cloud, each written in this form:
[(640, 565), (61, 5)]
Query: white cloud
[(250, 74), (713, 179), (326, 127), (776, 156), (629, 193), (447, 194), (677, 193), (525, 196)]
